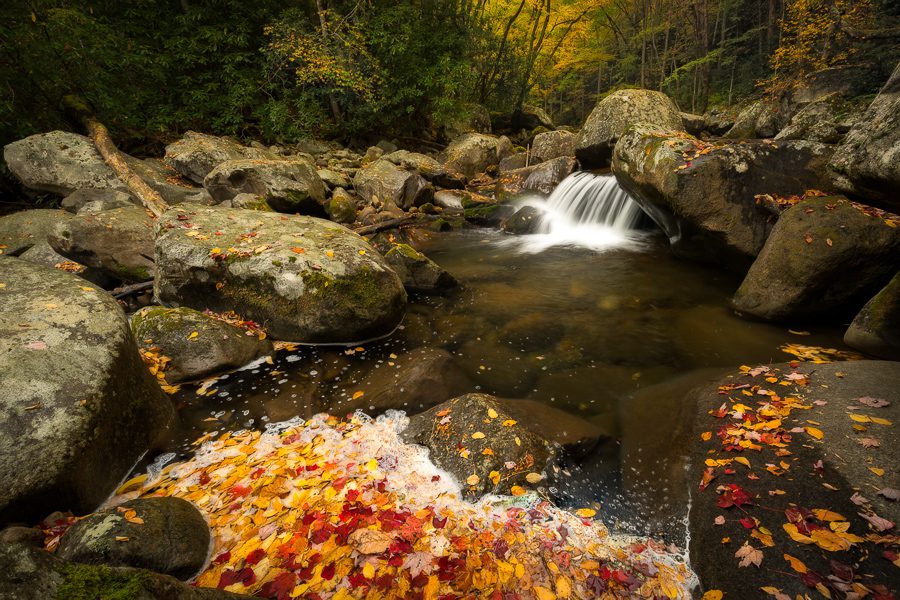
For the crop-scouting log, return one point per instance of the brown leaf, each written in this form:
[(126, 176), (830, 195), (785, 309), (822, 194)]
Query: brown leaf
[(879, 523), (748, 555), (868, 442), (890, 493), (808, 238), (370, 541)]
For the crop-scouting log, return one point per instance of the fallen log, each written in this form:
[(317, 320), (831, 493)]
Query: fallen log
[(384, 225)]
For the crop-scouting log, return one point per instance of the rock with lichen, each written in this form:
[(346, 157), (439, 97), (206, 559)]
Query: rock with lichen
[(418, 272)]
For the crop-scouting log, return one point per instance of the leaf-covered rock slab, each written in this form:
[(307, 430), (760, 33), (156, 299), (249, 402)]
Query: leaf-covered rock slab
[(196, 344), (301, 278), (77, 405), (825, 256), (482, 445), (165, 535)]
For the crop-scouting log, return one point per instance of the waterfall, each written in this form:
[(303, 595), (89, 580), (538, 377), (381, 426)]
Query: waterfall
[(585, 210)]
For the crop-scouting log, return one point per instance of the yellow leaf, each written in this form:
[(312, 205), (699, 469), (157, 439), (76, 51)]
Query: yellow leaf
[(712, 595), (371, 465), (431, 589), (358, 395), (796, 563), (542, 593), (329, 253), (494, 476), (517, 490), (121, 538), (828, 515), (706, 435), (492, 413), (509, 423), (860, 418), (473, 479), (879, 420), (816, 433), (563, 589), (743, 461), (585, 513), (877, 471), (533, 477), (369, 571), (193, 335), (362, 252), (477, 435)]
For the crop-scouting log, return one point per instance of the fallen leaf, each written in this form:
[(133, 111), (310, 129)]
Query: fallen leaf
[(193, 335), (879, 523), (878, 471), (816, 433), (492, 413), (473, 479), (712, 595), (585, 513), (873, 402), (868, 442), (477, 435), (748, 555), (890, 493)]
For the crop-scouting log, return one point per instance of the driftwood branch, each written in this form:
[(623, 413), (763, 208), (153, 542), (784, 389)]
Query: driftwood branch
[(384, 225), (131, 289), (99, 134)]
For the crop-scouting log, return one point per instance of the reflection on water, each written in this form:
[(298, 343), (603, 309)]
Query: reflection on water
[(585, 331)]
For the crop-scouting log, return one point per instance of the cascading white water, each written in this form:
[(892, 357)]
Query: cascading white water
[(585, 210)]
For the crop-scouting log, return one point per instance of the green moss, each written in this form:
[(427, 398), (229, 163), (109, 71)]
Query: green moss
[(407, 251), (277, 263), (129, 273), (482, 211), (441, 225), (98, 582), (358, 290)]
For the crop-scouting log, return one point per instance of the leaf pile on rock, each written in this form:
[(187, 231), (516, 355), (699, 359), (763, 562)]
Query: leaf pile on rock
[(331, 508)]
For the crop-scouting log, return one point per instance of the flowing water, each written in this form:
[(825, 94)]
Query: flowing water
[(615, 332)]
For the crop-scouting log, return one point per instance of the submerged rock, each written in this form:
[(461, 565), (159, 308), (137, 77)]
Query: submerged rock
[(289, 186), (481, 444), (22, 230), (118, 242), (868, 160), (78, 405), (614, 115), (417, 380), (825, 257), (165, 535), (526, 220), (301, 278), (197, 344), (702, 195), (384, 181), (59, 162), (196, 154), (475, 153), (418, 272), (876, 329)]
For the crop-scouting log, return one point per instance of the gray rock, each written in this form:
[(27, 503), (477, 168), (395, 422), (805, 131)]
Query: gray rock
[(290, 186), (43, 254), (28, 573), (333, 179), (444, 433), (708, 209), (838, 465), (542, 177), (217, 346), (78, 405), (552, 144), (417, 380), (342, 207), (816, 122), (103, 205), (249, 202), (868, 161), (526, 220), (334, 288), (614, 115), (876, 329), (475, 153), (824, 257), (693, 124), (313, 146), (531, 117), (196, 154), (762, 118), (384, 181), (449, 200), (513, 161), (418, 272), (22, 230), (118, 242), (173, 538), (59, 162), (428, 167), (110, 198), (167, 182)]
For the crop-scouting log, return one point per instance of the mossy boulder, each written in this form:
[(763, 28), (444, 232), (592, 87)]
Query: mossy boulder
[(526, 220), (383, 181), (249, 202), (418, 272), (475, 153), (289, 186), (612, 117), (702, 195), (876, 329), (342, 207), (825, 257), (77, 405), (29, 573), (22, 230), (197, 344), (428, 167), (166, 535), (118, 242), (59, 162), (303, 279), (459, 431), (196, 154)]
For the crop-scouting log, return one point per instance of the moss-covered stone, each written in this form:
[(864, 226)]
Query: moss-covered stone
[(90, 582), (418, 272)]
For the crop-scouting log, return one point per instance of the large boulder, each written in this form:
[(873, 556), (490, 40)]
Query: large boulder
[(412, 382), (817, 122), (43, 254), (168, 182), (541, 178), (31, 573), (109, 198), (59, 162), (553, 144), (302, 278), (868, 161), (118, 242), (197, 344), (475, 153), (341, 208), (614, 115), (24, 229), (196, 154), (702, 194), (165, 535), (481, 444), (290, 186), (384, 181), (876, 329), (763, 118), (825, 256), (77, 405), (418, 272), (428, 167)]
